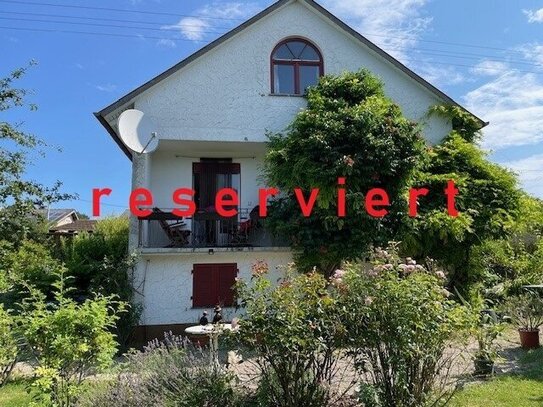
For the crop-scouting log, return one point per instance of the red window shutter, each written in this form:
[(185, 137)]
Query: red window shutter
[(212, 284), (227, 274), (203, 289)]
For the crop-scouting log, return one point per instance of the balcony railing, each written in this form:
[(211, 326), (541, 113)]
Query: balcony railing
[(162, 229)]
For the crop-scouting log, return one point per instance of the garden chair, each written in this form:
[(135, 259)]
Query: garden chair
[(176, 232)]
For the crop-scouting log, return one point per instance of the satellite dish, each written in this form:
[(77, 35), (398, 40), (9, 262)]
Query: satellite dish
[(137, 131)]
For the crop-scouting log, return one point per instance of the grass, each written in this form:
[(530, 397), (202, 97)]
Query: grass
[(14, 395), (524, 388)]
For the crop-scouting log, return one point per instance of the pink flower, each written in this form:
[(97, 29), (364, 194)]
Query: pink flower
[(347, 160), (410, 261), (338, 274), (368, 301), (440, 274), (259, 268)]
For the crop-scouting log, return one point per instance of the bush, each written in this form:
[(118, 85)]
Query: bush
[(166, 373), (67, 340), (29, 264), (100, 263), (296, 331), (400, 329), (8, 346)]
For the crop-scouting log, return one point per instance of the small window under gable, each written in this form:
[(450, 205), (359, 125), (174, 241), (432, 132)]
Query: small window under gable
[(212, 284), (296, 65)]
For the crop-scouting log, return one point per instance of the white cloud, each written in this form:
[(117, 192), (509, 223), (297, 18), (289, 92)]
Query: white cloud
[(211, 16), (396, 28), (167, 43), (227, 10), (490, 68), (532, 52), (106, 87), (441, 75), (530, 172), (513, 103), (534, 16), (192, 28)]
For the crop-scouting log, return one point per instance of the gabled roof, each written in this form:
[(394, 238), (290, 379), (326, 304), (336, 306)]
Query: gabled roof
[(56, 215), (80, 225), (101, 115)]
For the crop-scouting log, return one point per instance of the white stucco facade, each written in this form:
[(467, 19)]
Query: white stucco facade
[(164, 282), (225, 94), (220, 106)]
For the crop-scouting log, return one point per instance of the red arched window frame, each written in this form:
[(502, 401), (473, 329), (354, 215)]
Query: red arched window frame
[(295, 63)]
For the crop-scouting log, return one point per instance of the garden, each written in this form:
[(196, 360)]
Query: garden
[(395, 311)]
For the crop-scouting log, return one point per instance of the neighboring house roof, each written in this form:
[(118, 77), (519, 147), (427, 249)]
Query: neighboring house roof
[(54, 216), (130, 96), (78, 226)]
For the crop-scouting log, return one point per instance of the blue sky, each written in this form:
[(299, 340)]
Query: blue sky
[(487, 55)]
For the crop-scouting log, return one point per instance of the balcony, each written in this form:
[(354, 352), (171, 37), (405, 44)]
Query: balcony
[(206, 229)]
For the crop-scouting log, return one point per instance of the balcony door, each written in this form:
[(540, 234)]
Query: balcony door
[(209, 176)]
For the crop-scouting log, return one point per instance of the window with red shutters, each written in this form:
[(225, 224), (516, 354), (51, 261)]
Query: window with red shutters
[(212, 284)]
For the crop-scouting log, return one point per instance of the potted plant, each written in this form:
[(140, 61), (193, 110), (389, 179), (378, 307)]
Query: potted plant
[(486, 333), (526, 311)]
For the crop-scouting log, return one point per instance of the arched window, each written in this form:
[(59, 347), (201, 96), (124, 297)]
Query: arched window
[(296, 64)]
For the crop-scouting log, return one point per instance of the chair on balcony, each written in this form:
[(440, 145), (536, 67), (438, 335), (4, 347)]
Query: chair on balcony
[(176, 232), (240, 235)]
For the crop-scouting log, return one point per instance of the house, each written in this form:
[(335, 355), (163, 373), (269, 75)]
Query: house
[(58, 217), (74, 228), (212, 112)]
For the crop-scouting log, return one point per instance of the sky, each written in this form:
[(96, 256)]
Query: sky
[(487, 55)]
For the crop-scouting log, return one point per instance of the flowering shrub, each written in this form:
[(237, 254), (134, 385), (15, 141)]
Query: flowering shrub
[(166, 373), (296, 329), (399, 328)]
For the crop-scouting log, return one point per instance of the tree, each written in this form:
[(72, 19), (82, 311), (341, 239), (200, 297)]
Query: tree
[(488, 204), (19, 197), (505, 264), (350, 130), (29, 264)]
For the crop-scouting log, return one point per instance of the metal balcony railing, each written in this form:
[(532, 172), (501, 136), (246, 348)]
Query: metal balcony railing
[(162, 229)]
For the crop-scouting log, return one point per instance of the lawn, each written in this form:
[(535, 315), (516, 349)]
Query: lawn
[(522, 388), (14, 395)]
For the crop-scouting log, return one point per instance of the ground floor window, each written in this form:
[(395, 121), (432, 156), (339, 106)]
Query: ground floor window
[(212, 284)]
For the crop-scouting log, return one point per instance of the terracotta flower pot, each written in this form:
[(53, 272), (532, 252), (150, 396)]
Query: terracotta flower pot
[(529, 339)]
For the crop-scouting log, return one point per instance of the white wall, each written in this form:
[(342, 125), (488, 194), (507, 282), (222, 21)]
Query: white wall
[(166, 282), (225, 94)]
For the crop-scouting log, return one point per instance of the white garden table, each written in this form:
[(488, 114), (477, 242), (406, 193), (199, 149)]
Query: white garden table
[(213, 331)]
